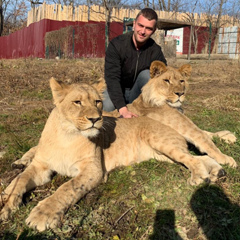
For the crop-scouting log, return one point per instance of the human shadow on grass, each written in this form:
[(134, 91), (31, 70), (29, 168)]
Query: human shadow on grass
[(218, 217), (164, 226)]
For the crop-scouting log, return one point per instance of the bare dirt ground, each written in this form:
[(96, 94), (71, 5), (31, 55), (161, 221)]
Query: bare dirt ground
[(25, 102)]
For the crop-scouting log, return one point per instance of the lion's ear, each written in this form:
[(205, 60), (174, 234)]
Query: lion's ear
[(185, 70), (100, 86), (59, 90), (157, 68)]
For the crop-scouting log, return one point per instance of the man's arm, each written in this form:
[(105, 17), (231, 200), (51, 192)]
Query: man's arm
[(113, 76)]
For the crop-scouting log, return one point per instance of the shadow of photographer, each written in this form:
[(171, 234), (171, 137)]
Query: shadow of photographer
[(218, 217), (164, 226)]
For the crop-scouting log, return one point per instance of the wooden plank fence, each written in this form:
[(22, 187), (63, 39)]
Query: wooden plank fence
[(84, 13)]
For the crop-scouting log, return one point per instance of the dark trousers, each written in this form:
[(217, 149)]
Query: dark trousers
[(130, 94)]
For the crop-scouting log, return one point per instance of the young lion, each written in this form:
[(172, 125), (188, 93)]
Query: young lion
[(163, 95), (78, 142), (169, 85)]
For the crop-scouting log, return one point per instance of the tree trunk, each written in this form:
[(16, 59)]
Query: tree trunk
[(146, 3), (162, 5), (1, 17), (215, 46), (107, 24), (169, 5)]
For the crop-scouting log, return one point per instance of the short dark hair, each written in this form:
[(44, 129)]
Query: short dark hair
[(148, 13)]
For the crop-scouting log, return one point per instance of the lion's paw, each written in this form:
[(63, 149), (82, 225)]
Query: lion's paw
[(3, 199), (196, 180), (43, 217), (205, 170), (6, 212), (214, 170), (199, 175), (21, 163), (230, 161), (226, 136), (10, 204)]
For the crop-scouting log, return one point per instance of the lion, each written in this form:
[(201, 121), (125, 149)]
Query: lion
[(163, 95), (66, 147), (79, 142)]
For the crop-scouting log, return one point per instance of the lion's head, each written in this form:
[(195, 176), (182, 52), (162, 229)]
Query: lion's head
[(166, 85), (79, 106)]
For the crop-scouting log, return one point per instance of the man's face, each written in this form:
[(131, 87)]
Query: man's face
[(143, 29)]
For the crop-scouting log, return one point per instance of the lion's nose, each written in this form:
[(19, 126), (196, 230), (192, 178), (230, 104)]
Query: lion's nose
[(93, 120), (179, 93)]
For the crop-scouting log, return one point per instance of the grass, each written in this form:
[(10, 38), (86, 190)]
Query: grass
[(150, 200)]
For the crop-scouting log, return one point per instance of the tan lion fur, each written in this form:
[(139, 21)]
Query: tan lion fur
[(78, 142), (64, 147)]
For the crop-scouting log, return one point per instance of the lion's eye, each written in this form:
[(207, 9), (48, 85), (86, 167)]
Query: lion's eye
[(182, 81), (78, 102), (166, 80)]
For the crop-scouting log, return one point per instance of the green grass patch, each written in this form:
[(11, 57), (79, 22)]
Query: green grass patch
[(39, 94)]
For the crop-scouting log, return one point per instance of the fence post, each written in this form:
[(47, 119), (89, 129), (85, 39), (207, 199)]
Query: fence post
[(59, 51), (73, 35), (210, 40), (190, 43), (47, 52)]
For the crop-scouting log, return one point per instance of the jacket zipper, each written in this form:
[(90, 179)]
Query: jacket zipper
[(135, 75)]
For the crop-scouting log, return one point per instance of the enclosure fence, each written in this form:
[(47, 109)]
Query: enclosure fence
[(84, 13), (229, 42)]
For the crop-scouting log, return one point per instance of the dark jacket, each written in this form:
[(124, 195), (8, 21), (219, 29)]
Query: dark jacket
[(123, 63)]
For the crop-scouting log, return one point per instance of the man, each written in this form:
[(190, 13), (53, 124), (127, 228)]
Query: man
[(127, 62)]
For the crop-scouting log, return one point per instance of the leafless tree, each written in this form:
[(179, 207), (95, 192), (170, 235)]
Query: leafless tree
[(171, 5), (214, 10), (13, 15), (189, 17), (1, 17)]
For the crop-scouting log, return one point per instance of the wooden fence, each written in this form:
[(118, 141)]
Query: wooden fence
[(84, 13)]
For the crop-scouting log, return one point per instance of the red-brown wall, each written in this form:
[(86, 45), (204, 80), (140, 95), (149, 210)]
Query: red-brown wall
[(203, 34), (29, 41)]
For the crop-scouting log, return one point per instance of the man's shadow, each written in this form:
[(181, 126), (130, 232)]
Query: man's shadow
[(164, 226), (218, 218)]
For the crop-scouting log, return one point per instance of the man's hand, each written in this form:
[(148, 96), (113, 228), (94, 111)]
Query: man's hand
[(125, 113)]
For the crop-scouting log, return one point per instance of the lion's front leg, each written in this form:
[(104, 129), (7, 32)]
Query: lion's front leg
[(203, 142), (48, 213), (174, 146), (11, 198), (206, 145), (224, 135), (201, 139), (26, 159)]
